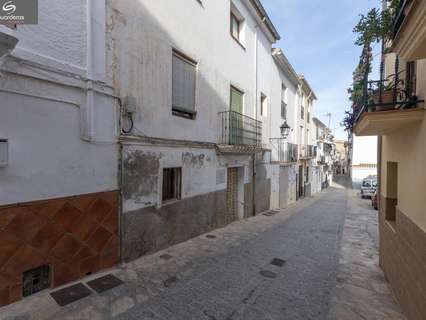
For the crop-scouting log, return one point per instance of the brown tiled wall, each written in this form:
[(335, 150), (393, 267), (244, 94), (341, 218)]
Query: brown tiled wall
[(75, 236), (403, 259)]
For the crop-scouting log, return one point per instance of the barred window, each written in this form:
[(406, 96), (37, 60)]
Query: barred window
[(172, 181)]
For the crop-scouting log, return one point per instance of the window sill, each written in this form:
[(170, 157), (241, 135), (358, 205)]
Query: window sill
[(186, 114), (239, 43)]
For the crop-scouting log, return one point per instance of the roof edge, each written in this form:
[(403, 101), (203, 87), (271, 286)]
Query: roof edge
[(285, 65), (264, 15), (306, 83)]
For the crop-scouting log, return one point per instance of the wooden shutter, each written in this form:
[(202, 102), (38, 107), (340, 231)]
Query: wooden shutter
[(236, 100), (183, 86)]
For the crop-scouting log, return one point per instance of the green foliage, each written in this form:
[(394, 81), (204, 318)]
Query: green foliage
[(375, 26)]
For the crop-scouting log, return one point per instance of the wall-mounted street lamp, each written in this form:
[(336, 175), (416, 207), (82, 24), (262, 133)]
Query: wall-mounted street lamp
[(285, 130)]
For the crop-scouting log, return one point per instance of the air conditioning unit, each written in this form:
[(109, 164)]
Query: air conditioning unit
[(4, 152)]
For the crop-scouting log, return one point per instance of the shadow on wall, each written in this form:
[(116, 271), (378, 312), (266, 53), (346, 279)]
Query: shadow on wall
[(142, 62)]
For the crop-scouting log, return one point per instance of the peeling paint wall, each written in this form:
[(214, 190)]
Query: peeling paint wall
[(143, 168), (150, 225)]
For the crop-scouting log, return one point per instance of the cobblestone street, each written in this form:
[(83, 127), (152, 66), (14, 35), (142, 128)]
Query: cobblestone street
[(228, 273)]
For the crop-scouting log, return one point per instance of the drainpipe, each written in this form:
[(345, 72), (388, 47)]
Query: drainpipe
[(256, 27), (379, 187)]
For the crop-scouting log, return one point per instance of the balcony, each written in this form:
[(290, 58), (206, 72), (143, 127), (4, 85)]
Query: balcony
[(307, 151), (283, 152), (410, 30), (390, 105), (239, 133)]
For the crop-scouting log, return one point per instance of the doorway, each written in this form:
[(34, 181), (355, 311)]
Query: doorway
[(301, 183)]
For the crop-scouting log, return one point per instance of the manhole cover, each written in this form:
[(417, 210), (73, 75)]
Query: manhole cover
[(278, 262), (168, 282), (210, 236), (268, 274), (166, 256), (70, 294), (105, 283)]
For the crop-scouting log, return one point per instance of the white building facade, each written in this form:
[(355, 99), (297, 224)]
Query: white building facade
[(59, 130), (197, 118)]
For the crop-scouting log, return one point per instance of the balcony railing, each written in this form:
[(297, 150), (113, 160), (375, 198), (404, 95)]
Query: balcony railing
[(238, 129), (282, 151), (400, 16), (392, 93), (307, 151)]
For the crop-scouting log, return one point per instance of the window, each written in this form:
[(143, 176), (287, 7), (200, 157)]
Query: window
[(183, 85), (237, 100), (283, 101), (283, 110), (410, 78), (309, 117), (263, 105), (235, 27), (302, 112), (172, 181)]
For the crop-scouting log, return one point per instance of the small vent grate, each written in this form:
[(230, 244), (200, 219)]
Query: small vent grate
[(36, 280)]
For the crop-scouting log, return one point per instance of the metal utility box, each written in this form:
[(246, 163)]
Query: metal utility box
[(130, 104), (4, 150)]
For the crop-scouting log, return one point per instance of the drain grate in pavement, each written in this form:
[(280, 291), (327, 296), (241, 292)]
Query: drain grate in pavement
[(210, 236), (70, 294), (105, 283), (268, 274), (278, 262), (166, 256), (170, 281)]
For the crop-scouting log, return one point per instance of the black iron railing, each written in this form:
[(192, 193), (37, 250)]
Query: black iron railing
[(386, 94), (307, 151), (282, 151), (400, 16), (238, 129)]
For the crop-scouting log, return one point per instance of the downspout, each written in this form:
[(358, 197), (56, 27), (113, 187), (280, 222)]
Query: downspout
[(256, 27), (88, 115)]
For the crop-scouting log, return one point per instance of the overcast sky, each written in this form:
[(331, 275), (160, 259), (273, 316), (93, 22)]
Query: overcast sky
[(317, 38)]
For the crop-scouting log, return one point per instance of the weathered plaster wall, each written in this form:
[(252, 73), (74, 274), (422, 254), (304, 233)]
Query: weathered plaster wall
[(287, 180), (151, 225), (151, 229), (203, 172)]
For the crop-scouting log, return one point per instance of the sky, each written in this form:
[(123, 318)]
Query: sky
[(317, 38)]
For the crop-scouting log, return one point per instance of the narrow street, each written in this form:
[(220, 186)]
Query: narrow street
[(228, 273)]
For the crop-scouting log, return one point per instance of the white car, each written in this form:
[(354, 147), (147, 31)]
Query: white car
[(368, 187)]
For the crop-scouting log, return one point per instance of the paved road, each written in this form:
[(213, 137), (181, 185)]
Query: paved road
[(243, 284), (228, 275)]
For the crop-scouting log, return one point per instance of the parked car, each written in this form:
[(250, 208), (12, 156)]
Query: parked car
[(374, 201), (368, 187)]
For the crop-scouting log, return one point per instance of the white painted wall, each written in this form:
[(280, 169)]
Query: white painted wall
[(61, 126), (144, 34), (364, 150)]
